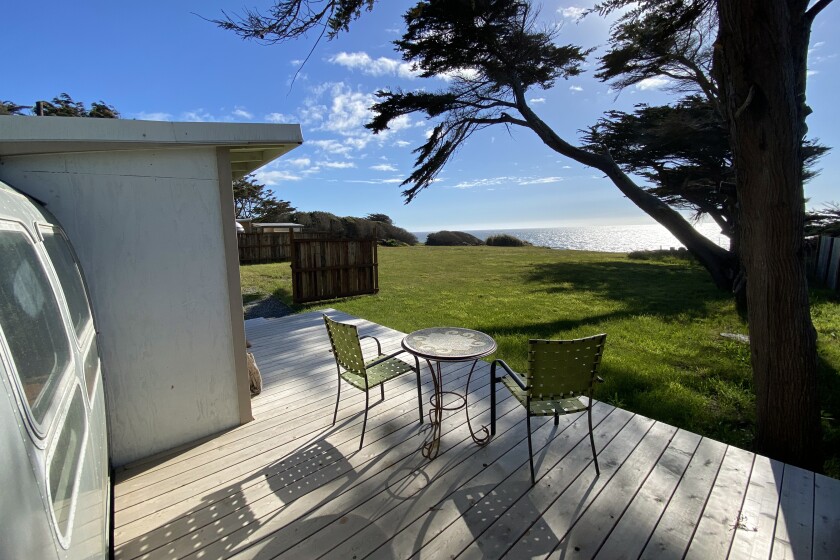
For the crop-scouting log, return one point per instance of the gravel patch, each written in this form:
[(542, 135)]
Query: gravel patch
[(267, 307)]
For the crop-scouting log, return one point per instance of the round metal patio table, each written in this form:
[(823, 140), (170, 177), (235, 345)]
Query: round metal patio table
[(448, 344)]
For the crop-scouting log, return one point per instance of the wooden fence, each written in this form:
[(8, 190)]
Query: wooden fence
[(331, 268), (826, 263), (272, 247)]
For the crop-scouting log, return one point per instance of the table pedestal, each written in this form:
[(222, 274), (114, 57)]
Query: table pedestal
[(431, 448), (448, 344)]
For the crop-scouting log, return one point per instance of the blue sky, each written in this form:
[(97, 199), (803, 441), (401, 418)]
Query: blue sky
[(160, 60)]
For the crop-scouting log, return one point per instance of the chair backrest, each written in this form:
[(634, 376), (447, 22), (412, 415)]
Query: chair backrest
[(345, 344), (561, 368)]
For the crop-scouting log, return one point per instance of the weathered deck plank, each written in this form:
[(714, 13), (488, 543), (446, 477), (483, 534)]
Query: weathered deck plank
[(290, 485)]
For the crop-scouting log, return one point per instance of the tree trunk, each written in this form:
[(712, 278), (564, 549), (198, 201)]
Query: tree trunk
[(760, 56)]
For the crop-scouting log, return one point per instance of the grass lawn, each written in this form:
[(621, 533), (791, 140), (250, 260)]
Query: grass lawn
[(664, 356)]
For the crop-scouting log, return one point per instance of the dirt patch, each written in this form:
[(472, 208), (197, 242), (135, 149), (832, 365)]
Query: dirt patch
[(267, 307)]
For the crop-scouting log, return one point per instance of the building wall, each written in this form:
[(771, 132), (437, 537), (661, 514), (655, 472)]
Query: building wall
[(147, 226)]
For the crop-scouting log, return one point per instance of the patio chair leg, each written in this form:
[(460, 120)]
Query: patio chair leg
[(556, 419), (337, 396), (592, 440), (382, 387), (530, 450), (419, 391), (364, 423), (493, 399)]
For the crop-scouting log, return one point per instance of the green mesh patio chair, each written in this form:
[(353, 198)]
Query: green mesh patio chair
[(559, 373), (361, 374)]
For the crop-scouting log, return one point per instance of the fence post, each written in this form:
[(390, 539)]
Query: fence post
[(834, 264)]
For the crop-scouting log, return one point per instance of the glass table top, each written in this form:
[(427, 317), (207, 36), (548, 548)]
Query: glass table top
[(449, 343)]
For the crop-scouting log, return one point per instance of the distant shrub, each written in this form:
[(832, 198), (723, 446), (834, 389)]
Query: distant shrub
[(680, 254), (390, 231), (505, 240), (352, 228), (452, 238), (393, 243)]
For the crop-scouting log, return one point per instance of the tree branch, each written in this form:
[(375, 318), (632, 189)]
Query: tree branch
[(814, 10)]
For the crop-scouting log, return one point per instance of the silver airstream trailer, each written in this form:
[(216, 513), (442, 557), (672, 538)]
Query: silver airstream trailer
[(54, 477)]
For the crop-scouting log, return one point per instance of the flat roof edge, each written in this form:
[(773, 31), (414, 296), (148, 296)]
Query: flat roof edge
[(21, 135)]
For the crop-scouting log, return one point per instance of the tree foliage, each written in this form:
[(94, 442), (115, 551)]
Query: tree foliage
[(252, 200), (383, 218), (11, 108), (63, 106), (825, 221), (290, 19)]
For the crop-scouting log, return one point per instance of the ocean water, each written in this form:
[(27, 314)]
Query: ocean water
[(611, 239)]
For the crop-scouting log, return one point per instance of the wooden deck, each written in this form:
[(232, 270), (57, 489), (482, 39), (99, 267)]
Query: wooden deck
[(290, 485)]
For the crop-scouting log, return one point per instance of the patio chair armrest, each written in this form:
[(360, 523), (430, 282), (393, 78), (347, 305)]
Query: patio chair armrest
[(513, 374), (385, 358), (378, 345)]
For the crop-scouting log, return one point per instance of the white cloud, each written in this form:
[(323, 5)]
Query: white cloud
[(338, 164), (506, 180), (537, 100), (575, 88), (198, 115), (572, 12), (298, 162), (384, 66), (160, 116), (349, 110), (392, 181), (539, 181), (657, 82), (812, 73), (272, 178), (383, 167), (381, 66), (280, 118), (342, 111), (330, 146), (242, 113), (483, 182), (402, 144)]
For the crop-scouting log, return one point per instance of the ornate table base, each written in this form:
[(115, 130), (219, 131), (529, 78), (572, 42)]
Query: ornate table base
[(431, 448)]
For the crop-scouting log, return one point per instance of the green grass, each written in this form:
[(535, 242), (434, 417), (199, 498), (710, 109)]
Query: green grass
[(664, 357)]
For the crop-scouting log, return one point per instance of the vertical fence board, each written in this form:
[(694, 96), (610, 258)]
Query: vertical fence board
[(330, 268), (822, 259), (834, 264), (270, 247)]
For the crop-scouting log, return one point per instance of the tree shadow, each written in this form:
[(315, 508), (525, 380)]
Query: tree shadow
[(664, 290), (634, 289)]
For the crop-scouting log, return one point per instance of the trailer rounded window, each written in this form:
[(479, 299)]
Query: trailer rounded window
[(64, 466), (69, 278), (31, 323)]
